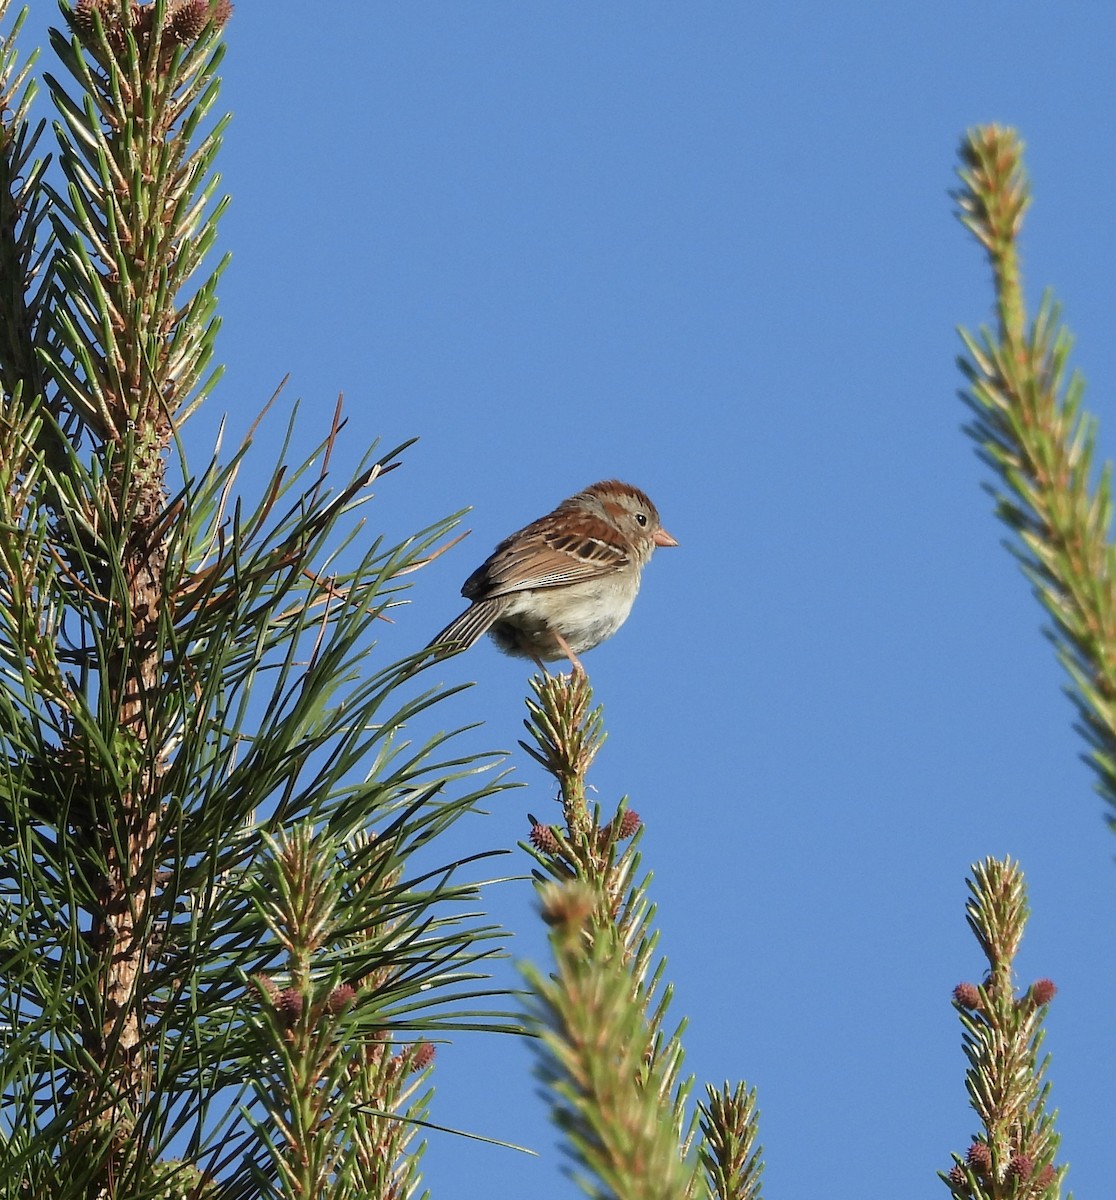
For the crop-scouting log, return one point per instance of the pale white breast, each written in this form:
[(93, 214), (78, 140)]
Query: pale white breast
[(584, 613)]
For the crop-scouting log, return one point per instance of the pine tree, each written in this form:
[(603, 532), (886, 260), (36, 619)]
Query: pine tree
[(219, 972)]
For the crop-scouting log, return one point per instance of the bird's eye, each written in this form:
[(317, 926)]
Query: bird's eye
[(641, 518)]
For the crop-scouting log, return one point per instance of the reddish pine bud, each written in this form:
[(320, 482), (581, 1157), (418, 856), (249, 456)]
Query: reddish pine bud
[(268, 985), (979, 1157), (143, 20), (1020, 1167), (187, 21), (341, 998), (967, 995), (629, 823), (289, 1004), (422, 1055), (1045, 1177), (958, 1180), (1043, 991), (83, 21), (569, 904), (81, 18), (543, 839)]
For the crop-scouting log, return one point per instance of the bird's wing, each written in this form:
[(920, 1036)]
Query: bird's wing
[(542, 556)]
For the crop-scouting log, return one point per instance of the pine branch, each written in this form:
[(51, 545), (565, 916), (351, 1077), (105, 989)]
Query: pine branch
[(729, 1127), (125, 356), (340, 1104), (28, 414), (1012, 1158), (612, 1068), (611, 1072), (1033, 432), (22, 210), (137, 220)]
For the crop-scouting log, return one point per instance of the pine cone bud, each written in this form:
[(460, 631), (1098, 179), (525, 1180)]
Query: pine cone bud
[(958, 1180), (268, 985), (422, 1055), (979, 1157), (289, 1004), (568, 904), (543, 839), (81, 19), (143, 21), (1045, 1177), (967, 995), (1043, 991), (629, 823), (341, 998), (84, 24), (187, 21), (1020, 1167)]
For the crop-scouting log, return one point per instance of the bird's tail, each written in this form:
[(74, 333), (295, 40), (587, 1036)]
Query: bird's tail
[(471, 626)]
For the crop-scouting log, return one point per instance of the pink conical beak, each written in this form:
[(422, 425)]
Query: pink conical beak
[(662, 538)]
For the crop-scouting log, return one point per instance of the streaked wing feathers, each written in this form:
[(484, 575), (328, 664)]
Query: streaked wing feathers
[(548, 553)]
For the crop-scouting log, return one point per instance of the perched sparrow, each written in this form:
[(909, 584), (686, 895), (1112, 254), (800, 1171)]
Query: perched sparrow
[(567, 581)]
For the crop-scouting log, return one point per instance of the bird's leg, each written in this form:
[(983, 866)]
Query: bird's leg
[(575, 662)]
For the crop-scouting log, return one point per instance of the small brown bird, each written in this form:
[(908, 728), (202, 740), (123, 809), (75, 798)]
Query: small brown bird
[(564, 583)]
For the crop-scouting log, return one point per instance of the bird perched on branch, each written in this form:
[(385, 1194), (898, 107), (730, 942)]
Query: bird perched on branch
[(564, 583)]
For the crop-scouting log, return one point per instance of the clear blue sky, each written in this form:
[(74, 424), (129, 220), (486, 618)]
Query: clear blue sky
[(708, 247)]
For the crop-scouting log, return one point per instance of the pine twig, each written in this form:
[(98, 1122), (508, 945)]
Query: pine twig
[(611, 1071), (1032, 430), (339, 1096), (729, 1128), (611, 1066), (1012, 1158)]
